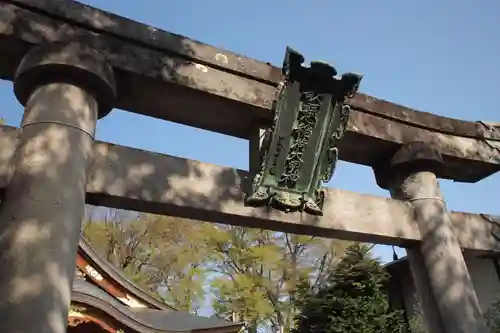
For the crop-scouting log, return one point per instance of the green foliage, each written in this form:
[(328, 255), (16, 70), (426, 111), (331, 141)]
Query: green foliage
[(162, 255), (353, 299), (258, 272), (492, 317), (253, 274), (416, 322)]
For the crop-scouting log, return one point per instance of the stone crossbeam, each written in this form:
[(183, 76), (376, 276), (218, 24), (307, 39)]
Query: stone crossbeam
[(133, 179), (174, 78)]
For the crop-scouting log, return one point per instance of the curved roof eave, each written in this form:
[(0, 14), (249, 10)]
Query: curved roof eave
[(114, 274), (145, 320)]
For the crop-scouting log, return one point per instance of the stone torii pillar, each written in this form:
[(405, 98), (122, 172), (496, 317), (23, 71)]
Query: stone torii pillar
[(443, 283), (65, 88)]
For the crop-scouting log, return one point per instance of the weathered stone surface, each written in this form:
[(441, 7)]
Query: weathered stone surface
[(43, 208), (171, 77), (102, 21), (76, 63), (134, 179), (443, 261), (135, 32)]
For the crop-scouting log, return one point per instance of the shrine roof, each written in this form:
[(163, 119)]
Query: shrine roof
[(144, 319), (112, 273), (104, 288)]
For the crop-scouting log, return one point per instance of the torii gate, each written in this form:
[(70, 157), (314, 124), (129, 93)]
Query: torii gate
[(71, 64)]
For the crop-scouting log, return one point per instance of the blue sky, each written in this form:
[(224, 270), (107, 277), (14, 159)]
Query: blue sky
[(436, 56)]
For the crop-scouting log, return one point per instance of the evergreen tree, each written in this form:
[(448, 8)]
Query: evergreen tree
[(353, 300)]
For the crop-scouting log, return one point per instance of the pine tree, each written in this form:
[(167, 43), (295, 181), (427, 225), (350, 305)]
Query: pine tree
[(353, 300)]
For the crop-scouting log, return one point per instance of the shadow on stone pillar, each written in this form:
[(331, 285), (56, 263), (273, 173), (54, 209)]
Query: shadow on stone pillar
[(443, 283), (64, 87)]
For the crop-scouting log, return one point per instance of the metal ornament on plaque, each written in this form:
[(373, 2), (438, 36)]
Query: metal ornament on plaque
[(299, 152)]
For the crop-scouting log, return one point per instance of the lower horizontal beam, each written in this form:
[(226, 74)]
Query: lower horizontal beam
[(133, 179)]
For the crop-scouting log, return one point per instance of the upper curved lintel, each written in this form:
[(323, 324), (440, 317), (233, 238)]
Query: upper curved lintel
[(198, 77), (151, 37)]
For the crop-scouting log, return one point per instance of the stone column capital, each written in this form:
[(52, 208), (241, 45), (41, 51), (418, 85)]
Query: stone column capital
[(411, 158), (67, 62)]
